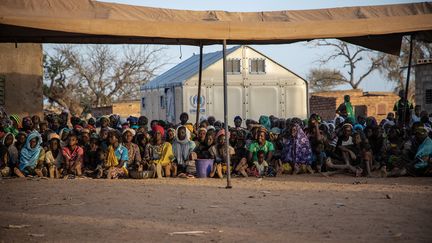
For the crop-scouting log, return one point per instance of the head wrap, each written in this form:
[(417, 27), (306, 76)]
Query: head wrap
[(265, 121), (275, 130), (238, 118), (158, 128), (129, 130), (3, 141), (221, 132), (16, 118), (189, 127), (52, 136), (210, 128), (29, 156)]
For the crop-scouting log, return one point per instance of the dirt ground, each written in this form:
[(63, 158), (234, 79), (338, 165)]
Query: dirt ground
[(304, 208)]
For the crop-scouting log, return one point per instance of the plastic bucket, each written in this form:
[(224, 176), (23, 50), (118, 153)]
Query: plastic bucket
[(203, 167)]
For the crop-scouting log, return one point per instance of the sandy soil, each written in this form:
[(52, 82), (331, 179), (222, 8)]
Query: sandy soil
[(300, 208)]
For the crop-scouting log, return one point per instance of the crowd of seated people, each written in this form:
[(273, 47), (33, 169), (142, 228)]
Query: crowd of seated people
[(65, 146)]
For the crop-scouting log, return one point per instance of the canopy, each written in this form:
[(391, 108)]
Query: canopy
[(85, 21)]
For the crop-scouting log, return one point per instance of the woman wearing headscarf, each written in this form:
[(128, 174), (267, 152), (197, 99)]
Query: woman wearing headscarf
[(32, 157), (297, 150), (218, 153), (265, 122), (9, 142), (184, 157), (161, 154), (54, 156), (134, 156)]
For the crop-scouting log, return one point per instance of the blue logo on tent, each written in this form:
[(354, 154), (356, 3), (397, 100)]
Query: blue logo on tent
[(194, 101)]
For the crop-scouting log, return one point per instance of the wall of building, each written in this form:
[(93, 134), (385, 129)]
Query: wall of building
[(127, 108), (423, 86), (376, 104), (124, 109), (324, 106), (21, 67)]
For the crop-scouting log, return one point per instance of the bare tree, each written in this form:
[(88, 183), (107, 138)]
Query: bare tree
[(352, 56), (324, 79), (393, 68), (96, 75)]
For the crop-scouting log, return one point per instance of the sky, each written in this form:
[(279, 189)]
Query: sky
[(299, 57)]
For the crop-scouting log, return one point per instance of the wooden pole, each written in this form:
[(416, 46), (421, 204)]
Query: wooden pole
[(199, 87), (225, 90), (405, 113)]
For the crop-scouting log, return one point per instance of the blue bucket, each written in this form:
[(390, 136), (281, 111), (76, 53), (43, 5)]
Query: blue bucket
[(203, 167)]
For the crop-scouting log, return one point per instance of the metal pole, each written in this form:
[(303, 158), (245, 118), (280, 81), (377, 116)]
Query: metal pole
[(199, 87), (408, 80), (225, 90)]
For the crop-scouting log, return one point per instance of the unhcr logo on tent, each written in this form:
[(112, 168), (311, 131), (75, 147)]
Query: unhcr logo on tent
[(193, 99)]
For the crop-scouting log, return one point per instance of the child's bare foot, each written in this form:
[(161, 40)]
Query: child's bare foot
[(358, 172), (309, 169), (19, 173), (383, 171), (296, 170)]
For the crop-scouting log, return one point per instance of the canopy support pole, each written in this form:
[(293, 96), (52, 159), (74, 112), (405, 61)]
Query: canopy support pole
[(405, 113), (225, 90), (199, 87)]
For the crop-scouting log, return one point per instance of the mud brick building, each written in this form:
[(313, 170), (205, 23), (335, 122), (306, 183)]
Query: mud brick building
[(377, 104)]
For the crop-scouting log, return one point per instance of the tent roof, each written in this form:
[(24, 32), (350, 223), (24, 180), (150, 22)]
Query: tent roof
[(86, 21), (181, 72)]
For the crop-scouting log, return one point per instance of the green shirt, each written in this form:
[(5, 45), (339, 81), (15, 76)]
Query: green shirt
[(255, 147)]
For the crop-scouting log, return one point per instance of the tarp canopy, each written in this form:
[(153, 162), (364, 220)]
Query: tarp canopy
[(85, 21)]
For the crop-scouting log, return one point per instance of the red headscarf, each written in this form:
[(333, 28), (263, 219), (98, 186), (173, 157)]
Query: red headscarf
[(158, 128)]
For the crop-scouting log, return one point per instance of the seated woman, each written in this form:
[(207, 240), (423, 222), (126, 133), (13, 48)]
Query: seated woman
[(200, 138), (116, 157), (239, 159), (202, 150), (54, 156), (297, 151), (134, 162), (184, 157), (32, 157), (73, 156), (8, 141), (161, 154), (218, 153), (260, 144)]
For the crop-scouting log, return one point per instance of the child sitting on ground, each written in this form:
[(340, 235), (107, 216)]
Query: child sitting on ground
[(260, 167)]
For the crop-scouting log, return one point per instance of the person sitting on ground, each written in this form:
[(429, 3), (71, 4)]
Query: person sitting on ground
[(171, 135), (8, 141), (32, 157), (184, 157), (116, 157), (73, 156), (161, 154), (218, 153), (343, 155), (54, 156), (201, 136), (261, 168), (202, 150), (134, 162), (297, 151)]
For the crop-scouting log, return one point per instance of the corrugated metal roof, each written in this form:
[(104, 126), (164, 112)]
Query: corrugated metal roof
[(178, 74)]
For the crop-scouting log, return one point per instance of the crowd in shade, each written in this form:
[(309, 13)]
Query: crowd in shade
[(65, 146)]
